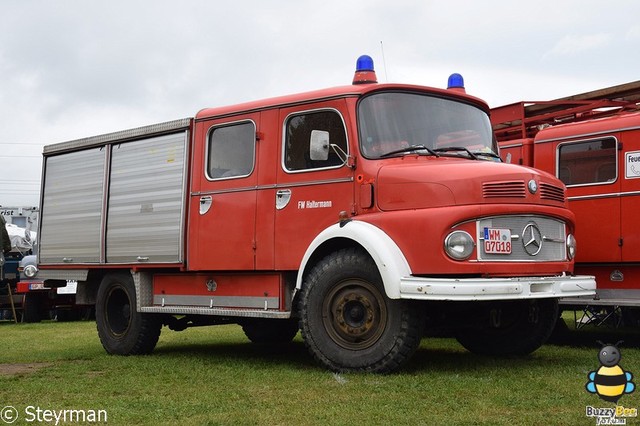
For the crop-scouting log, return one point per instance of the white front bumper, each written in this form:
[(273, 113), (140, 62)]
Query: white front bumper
[(470, 289)]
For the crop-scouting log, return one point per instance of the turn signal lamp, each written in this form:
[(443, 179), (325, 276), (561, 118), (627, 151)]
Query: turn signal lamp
[(365, 73)]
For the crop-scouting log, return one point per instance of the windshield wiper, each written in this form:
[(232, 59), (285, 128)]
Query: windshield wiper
[(487, 154), (410, 149), (459, 149)]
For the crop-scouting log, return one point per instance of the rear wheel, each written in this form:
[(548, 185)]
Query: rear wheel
[(510, 328), (347, 322), (123, 330)]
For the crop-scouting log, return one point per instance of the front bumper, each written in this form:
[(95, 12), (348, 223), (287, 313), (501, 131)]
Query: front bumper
[(479, 289)]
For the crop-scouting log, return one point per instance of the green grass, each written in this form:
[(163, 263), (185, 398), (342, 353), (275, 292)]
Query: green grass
[(213, 375)]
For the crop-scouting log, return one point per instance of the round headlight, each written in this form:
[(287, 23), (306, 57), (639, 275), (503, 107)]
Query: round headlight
[(459, 245), (571, 246), (30, 271)]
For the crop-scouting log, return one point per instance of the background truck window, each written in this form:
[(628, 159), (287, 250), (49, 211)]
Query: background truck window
[(298, 135), (588, 162), (231, 150)]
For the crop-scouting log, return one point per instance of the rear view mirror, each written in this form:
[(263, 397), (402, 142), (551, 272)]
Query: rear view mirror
[(319, 145)]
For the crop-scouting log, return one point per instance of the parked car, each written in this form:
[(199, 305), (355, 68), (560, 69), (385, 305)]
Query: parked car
[(41, 302)]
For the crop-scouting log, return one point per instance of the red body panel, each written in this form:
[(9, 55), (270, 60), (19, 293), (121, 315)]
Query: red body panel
[(229, 288)]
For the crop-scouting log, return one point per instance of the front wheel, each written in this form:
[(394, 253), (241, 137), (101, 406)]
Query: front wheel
[(510, 328), (123, 330), (347, 322)]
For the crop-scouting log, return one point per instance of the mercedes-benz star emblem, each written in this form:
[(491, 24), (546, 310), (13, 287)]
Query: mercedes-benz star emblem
[(532, 239)]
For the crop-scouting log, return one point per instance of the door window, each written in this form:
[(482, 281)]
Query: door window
[(297, 155), (231, 151), (588, 162)]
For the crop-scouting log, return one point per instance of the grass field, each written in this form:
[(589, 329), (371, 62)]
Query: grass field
[(214, 376)]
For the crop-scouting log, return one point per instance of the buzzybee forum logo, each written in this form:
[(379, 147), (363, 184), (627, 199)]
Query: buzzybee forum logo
[(610, 382)]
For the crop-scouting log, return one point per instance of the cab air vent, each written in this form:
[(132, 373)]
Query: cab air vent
[(551, 192), (511, 189)]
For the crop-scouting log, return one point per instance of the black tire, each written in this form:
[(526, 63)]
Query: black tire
[(347, 322), (270, 331), (33, 307), (123, 330), (510, 328)]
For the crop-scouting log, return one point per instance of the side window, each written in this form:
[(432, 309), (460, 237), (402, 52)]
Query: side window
[(231, 150), (588, 162), (297, 154)]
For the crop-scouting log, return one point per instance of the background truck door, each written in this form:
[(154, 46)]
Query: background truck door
[(223, 197), (630, 197), (590, 169), (310, 193)]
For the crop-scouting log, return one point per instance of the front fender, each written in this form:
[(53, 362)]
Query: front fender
[(390, 261)]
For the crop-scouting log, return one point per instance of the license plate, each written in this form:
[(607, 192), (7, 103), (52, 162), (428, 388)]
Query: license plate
[(37, 286), (497, 241)]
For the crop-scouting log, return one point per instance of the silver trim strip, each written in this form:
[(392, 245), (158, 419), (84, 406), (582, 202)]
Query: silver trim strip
[(121, 136), (275, 186), (515, 145), (216, 301), (246, 313), (584, 135), (609, 195)]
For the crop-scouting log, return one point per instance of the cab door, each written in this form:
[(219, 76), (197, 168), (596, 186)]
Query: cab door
[(222, 223), (312, 188)]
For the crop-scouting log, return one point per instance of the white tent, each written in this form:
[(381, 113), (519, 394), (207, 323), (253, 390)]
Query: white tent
[(21, 239)]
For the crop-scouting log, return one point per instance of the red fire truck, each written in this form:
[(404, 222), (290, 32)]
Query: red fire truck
[(356, 214), (591, 142)]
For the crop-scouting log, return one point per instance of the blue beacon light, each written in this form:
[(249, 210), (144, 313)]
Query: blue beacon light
[(365, 72), (456, 82)]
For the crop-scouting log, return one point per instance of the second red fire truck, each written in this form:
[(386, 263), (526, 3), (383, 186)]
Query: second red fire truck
[(357, 214), (591, 142)]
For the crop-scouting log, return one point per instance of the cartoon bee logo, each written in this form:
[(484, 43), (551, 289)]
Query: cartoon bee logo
[(610, 381)]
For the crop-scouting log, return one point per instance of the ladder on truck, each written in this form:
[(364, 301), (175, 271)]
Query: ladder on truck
[(524, 119)]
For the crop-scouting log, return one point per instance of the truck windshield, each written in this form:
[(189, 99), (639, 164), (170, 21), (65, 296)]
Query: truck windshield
[(396, 123)]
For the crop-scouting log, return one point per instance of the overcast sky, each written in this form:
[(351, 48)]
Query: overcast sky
[(72, 69)]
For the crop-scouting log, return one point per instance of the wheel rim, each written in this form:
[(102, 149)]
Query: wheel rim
[(354, 314), (118, 311)]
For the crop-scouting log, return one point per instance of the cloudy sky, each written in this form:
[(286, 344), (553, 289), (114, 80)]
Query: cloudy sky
[(71, 69)]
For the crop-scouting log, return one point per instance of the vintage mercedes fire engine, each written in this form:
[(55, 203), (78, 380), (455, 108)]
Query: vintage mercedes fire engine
[(357, 215)]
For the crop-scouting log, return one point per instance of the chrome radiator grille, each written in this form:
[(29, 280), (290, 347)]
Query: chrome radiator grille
[(533, 238)]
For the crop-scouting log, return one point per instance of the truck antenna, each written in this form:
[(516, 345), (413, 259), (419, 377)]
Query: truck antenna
[(384, 63)]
